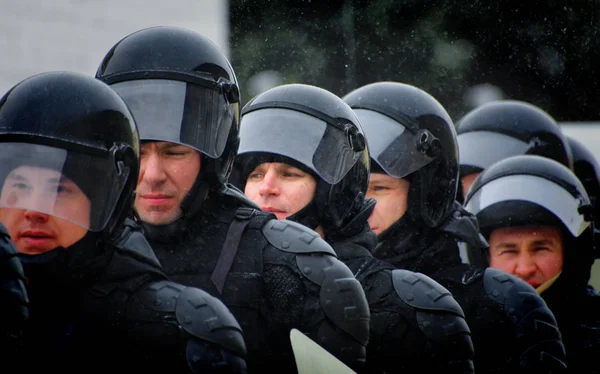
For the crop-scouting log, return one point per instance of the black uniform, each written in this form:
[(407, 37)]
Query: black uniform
[(549, 194), (273, 275), (411, 136), (102, 304), (511, 327), (118, 311), (13, 297), (416, 325)]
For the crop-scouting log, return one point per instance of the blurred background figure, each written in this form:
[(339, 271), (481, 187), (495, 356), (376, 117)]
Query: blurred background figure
[(499, 129)]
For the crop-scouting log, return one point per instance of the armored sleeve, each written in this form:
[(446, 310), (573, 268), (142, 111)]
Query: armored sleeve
[(168, 316), (336, 313), (416, 325), (13, 296)]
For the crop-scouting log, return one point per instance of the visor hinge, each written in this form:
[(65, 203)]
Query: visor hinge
[(428, 144)]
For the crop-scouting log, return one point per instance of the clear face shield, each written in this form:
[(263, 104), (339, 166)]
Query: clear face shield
[(536, 190), (77, 187), (180, 112), (480, 149), (396, 149), (302, 137)]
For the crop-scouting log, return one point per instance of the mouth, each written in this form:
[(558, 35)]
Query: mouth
[(36, 238), (155, 196), (156, 199), (36, 234), (271, 209), (534, 284)]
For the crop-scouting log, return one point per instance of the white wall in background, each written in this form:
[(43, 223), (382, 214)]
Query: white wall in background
[(74, 35)]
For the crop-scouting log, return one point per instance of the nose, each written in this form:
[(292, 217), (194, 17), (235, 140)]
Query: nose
[(525, 267), (35, 216), (152, 169), (269, 184)]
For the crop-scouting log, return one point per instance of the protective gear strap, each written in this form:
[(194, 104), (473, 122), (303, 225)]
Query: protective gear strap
[(230, 246)]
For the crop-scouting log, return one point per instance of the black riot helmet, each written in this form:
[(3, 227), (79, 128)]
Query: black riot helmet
[(528, 190), (504, 128), (410, 134), (587, 169), (180, 88), (59, 125), (317, 131)]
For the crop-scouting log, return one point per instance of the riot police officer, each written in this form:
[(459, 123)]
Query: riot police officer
[(538, 219), (273, 275), (303, 156), (413, 147), (98, 298), (504, 128)]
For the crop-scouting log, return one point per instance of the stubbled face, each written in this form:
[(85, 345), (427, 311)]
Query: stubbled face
[(467, 182), (392, 200), (280, 188), (533, 253), (42, 191), (167, 173)]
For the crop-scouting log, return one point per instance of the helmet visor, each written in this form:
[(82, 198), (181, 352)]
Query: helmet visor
[(532, 189), (391, 145), (480, 149), (73, 186), (179, 112), (322, 148)]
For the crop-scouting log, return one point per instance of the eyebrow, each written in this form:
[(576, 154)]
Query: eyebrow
[(61, 179), (543, 242), (169, 145), (384, 182), (17, 176), (535, 242)]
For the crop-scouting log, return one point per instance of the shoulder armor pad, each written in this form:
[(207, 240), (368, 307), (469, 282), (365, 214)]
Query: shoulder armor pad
[(290, 236), (510, 291), (421, 292), (207, 318), (198, 313), (536, 326), (521, 302), (341, 295)]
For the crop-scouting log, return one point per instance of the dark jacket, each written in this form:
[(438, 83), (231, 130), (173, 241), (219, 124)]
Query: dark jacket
[(13, 298), (279, 279), (410, 331), (107, 306), (513, 330), (576, 305)]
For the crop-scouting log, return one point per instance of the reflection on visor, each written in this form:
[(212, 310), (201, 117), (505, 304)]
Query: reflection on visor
[(535, 190), (76, 187), (392, 145), (483, 148), (47, 191), (179, 112), (301, 137)]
